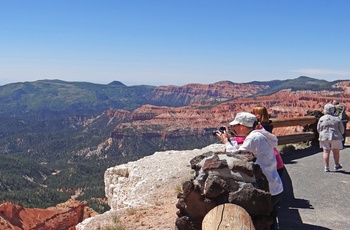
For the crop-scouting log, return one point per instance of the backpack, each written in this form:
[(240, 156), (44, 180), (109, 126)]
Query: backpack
[(341, 113)]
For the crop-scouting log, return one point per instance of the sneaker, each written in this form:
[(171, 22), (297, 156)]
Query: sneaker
[(326, 169), (337, 167)]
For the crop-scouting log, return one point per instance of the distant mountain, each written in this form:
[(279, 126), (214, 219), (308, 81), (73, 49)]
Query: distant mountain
[(46, 98), (300, 83), (65, 134)]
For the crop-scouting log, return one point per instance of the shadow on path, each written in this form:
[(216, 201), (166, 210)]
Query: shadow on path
[(288, 158), (289, 216)]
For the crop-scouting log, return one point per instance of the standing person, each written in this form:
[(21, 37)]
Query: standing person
[(264, 120), (261, 144), (330, 129), (340, 111)]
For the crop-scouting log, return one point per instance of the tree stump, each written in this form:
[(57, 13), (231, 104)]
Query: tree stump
[(227, 216)]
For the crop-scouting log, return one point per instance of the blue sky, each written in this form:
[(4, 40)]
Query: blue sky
[(173, 42)]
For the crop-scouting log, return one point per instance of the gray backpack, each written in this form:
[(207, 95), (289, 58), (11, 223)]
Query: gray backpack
[(341, 113)]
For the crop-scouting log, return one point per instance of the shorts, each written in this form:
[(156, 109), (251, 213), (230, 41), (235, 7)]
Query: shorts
[(331, 144)]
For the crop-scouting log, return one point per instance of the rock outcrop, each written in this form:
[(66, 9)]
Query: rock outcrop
[(135, 183), (62, 217), (224, 178), (144, 183)]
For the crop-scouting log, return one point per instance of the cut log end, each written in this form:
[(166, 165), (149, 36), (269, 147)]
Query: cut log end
[(227, 216)]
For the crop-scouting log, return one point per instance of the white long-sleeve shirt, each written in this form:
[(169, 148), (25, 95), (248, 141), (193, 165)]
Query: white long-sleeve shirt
[(261, 144)]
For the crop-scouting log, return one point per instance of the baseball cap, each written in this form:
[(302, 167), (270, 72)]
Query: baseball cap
[(245, 119)]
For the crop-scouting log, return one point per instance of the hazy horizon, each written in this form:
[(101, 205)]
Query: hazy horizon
[(170, 83)]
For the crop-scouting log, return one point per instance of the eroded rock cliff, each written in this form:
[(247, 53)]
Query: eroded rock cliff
[(62, 217), (151, 128)]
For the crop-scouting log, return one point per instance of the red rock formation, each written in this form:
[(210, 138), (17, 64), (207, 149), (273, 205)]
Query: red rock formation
[(195, 119), (63, 216), (212, 106), (118, 113), (193, 93)]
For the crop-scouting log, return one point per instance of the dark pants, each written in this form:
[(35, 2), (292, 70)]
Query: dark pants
[(275, 207), (280, 172)]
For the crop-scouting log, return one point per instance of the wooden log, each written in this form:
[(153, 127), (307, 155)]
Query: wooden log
[(294, 121), (296, 138), (227, 216)]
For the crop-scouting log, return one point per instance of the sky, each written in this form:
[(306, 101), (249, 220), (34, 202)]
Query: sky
[(173, 42)]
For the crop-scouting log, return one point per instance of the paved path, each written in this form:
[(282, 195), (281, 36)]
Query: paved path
[(315, 199)]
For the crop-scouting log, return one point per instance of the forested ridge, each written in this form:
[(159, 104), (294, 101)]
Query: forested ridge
[(46, 124)]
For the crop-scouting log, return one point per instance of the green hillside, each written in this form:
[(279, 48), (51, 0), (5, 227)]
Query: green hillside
[(46, 124), (46, 98)]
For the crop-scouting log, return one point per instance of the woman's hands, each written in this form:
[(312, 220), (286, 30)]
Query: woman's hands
[(223, 136)]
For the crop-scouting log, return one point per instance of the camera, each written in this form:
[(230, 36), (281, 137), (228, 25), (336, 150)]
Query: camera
[(221, 130)]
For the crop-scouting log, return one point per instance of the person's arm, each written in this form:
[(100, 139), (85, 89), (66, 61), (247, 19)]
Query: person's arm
[(318, 126), (341, 127), (230, 144), (250, 144), (223, 137)]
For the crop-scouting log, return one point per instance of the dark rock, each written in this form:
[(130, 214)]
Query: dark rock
[(215, 187), (184, 223), (254, 201), (224, 178)]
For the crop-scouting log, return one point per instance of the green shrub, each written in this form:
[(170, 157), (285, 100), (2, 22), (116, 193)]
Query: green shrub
[(287, 148)]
